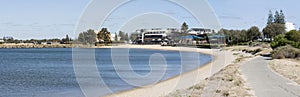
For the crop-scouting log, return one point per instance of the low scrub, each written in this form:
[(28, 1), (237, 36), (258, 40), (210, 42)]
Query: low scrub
[(286, 52)]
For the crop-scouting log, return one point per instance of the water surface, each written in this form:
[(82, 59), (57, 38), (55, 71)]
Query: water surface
[(49, 72)]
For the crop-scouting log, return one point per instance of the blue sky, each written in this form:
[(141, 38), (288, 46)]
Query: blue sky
[(26, 19)]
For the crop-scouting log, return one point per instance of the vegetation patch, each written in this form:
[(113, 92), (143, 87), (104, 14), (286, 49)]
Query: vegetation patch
[(286, 52), (290, 38)]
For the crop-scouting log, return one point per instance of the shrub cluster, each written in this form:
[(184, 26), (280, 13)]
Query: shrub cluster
[(291, 38), (286, 52)]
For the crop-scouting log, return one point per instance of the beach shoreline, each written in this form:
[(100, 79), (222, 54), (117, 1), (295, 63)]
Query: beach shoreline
[(185, 80), (181, 81)]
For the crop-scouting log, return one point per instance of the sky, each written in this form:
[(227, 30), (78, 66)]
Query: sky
[(45, 19)]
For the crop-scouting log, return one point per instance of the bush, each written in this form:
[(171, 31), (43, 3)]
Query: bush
[(279, 41), (293, 36), (287, 39), (285, 52)]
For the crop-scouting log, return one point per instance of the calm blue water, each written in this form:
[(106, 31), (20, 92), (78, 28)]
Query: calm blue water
[(49, 72)]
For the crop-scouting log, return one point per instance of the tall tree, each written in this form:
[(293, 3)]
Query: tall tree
[(277, 17), (273, 30), (122, 35), (66, 39), (81, 37), (184, 27), (270, 18), (126, 38), (281, 17), (116, 37)]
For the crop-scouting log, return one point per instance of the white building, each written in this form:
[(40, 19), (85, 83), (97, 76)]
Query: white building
[(197, 31), (113, 36), (290, 26), (155, 35)]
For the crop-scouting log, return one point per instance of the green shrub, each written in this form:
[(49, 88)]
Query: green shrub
[(293, 36), (290, 38), (285, 52), (279, 40)]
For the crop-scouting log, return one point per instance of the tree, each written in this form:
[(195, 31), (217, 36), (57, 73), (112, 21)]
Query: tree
[(273, 30), (81, 37), (116, 37), (91, 36), (270, 18), (122, 35), (133, 36), (126, 38), (184, 27), (253, 33), (107, 39), (277, 17), (88, 37), (281, 17), (243, 35), (66, 40), (104, 36)]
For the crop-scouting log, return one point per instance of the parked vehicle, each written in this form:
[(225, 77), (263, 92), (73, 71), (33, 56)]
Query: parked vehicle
[(168, 43)]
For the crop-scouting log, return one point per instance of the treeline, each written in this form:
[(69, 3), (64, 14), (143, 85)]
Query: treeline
[(241, 37), (91, 37), (275, 29), (101, 37), (121, 37), (275, 25), (66, 40)]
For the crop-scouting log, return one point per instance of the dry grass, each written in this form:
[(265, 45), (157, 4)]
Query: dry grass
[(289, 68)]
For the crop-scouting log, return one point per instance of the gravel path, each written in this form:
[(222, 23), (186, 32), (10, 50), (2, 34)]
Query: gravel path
[(265, 82)]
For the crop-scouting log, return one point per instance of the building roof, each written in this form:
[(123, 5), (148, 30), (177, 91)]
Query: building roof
[(216, 36), (191, 37)]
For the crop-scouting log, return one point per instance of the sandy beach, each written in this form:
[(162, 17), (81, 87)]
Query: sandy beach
[(183, 81)]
